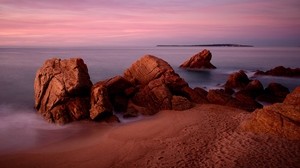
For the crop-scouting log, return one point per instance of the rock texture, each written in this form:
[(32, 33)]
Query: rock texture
[(281, 71), (199, 61), (100, 104), (62, 90), (281, 119), (237, 80), (157, 84)]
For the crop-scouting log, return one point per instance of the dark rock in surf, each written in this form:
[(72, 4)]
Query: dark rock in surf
[(281, 71), (237, 80)]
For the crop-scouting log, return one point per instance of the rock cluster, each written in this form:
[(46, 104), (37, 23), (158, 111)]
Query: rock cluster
[(199, 61), (248, 93), (64, 92), (281, 71), (281, 119)]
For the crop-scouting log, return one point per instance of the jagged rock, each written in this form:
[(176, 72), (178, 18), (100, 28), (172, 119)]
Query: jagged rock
[(274, 93), (180, 103), (100, 105), (281, 71), (199, 61), (281, 119), (62, 90), (237, 80), (156, 83)]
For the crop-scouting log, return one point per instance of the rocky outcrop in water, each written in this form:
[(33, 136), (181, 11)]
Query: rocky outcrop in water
[(62, 90), (157, 84), (281, 71), (274, 93), (199, 61), (281, 119)]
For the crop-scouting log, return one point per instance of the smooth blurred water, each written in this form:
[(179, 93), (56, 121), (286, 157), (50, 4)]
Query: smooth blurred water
[(21, 127)]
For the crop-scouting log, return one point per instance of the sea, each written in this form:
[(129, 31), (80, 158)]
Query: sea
[(22, 128)]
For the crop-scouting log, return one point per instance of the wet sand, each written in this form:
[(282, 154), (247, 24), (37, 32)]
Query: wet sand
[(204, 136)]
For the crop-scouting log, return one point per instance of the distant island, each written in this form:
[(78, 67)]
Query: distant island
[(207, 45)]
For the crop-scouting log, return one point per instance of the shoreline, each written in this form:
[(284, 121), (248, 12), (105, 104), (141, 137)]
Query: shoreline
[(204, 136)]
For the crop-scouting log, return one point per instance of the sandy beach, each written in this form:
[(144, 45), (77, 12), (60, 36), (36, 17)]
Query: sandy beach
[(204, 136)]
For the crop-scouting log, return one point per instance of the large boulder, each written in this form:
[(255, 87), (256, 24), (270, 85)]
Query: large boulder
[(252, 90), (62, 90), (156, 84), (281, 71), (199, 61), (237, 80), (281, 119)]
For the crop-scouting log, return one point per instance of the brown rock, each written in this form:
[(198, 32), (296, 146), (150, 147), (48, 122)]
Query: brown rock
[(199, 61), (237, 80), (100, 105), (219, 96), (253, 89), (147, 69), (281, 119), (180, 103), (119, 90), (62, 89), (156, 83), (155, 96), (274, 93), (281, 71)]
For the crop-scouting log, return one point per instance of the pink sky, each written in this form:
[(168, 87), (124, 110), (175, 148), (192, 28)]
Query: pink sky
[(139, 22)]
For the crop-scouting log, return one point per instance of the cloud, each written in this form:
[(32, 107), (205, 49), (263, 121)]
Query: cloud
[(84, 22)]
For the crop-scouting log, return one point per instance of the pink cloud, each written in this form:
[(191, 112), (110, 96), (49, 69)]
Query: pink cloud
[(79, 22)]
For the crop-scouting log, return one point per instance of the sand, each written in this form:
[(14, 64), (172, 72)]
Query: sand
[(204, 136)]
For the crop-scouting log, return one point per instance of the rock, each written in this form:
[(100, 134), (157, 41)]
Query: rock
[(274, 93), (62, 90), (237, 80), (199, 61), (281, 71), (100, 105), (180, 103), (119, 91), (253, 89), (219, 96), (281, 119), (155, 96), (156, 84)]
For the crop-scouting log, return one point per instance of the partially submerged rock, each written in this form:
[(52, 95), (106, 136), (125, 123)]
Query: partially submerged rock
[(281, 71), (281, 119), (199, 61), (62, 90), (237, 80)]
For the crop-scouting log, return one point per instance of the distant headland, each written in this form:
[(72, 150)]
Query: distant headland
[(207, 45)]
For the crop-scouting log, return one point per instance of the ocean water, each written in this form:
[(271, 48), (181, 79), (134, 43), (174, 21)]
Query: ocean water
[(21, 127)]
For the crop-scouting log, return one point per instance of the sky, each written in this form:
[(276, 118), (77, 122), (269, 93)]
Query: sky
[(144, 23)]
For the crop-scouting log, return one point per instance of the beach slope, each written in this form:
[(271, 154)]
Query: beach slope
[(204, 136)]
